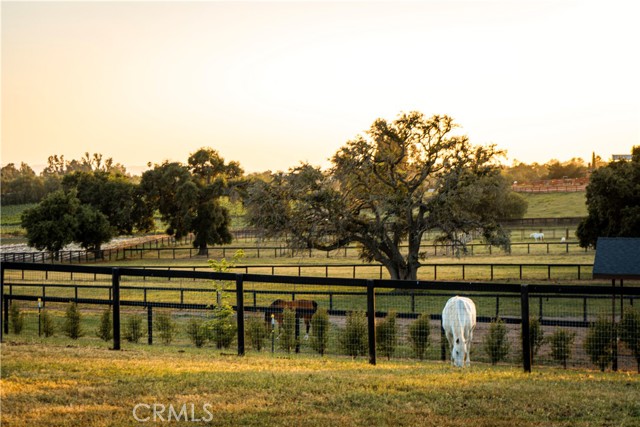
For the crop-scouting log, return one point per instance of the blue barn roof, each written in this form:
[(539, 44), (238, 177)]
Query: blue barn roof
[(617, 258)]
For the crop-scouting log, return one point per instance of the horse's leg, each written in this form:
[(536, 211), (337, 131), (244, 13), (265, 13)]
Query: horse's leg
[(468, 343), (307, 323), (450, 341)]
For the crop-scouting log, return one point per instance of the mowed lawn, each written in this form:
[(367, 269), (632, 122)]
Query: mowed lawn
[(48, 385)]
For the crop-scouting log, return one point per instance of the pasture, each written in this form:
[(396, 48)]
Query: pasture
[(56, 385)]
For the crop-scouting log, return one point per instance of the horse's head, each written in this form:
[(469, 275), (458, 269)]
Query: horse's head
[(458, 352)]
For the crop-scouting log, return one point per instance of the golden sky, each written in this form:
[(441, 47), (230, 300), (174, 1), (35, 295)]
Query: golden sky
[(270, 84)]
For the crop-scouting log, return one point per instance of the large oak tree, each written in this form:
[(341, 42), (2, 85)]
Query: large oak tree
[(388, 188)]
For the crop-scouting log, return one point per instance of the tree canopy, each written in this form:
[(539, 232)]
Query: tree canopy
[(60, 219), (613, 202), (388, 188), (188, 196)]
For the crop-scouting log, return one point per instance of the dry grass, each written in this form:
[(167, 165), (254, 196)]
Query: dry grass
[(69, 386)]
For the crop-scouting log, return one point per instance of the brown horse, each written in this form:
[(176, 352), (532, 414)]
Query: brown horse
[(303, 307)]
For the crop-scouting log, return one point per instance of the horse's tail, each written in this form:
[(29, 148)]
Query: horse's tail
[(315, 306)]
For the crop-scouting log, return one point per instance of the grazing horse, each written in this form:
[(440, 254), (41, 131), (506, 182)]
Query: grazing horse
[(458, 322), (303, 308), (537, 236)]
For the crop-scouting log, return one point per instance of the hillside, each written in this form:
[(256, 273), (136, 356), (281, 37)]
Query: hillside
[(556, 205)]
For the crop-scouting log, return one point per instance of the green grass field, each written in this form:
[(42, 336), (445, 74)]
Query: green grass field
[(555, 205), (50, 385)]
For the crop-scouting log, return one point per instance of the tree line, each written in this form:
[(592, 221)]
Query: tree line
[(385, 189)]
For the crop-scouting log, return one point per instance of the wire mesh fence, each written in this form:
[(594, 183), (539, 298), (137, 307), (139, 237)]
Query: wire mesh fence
[(579, 326)]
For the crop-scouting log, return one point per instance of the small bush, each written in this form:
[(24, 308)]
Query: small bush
[(419, 332), (72, 326), (165, 327), (561, 343), (257, 332), (353, 339), (536, 336), (46, 324), (197, 331), (222, 326), (133, 329), (599, 342), (287, 337), (320, 331), (105, 328), (16, 317), (496, 343), (387, 335), (630, 333)]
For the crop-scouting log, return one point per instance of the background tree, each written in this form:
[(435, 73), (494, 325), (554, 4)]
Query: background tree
[(387, 189), (52, 224), (613, 202), (574, 168), (188, 197), (93, 229), (20, 185), (100, 189), (61, 219)]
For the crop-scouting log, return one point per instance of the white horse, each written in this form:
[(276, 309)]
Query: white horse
[(458, 322), (537, 236)]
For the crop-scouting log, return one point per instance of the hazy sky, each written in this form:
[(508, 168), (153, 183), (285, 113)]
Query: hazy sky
[(270, 84)]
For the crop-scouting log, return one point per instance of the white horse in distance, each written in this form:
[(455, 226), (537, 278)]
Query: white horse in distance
[(537, 236), (458, 322)]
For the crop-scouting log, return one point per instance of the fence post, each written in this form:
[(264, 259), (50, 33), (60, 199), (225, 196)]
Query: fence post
[(240, 312), (614, 362), (371, 317), (526, 343), (115, 285), (150, 324), (3, 323)]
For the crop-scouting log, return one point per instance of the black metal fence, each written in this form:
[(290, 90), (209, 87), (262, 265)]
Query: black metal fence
[(161, 249), (189, 298), (428, 271)]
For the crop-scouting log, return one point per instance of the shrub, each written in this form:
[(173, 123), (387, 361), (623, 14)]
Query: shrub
[(353, 339), (222, 327), (287, 337), (387, 335), (320, 331), (105, 328), (165, 326), (197, 331), (72, 326), (46, 323), (561, 343), (536, 336), (419, 332), (133, 329), (257, 332), (17, 317), (496, 343), (630, 333), (599, 342)]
